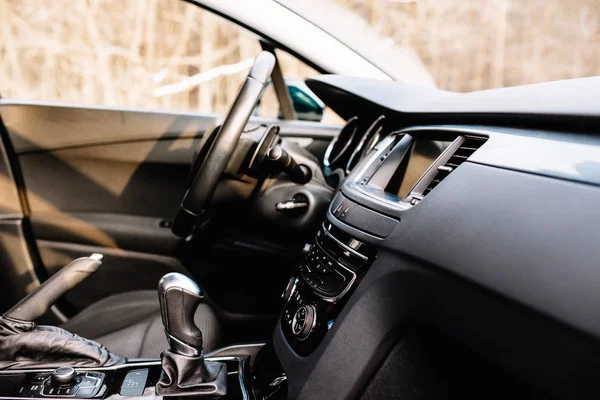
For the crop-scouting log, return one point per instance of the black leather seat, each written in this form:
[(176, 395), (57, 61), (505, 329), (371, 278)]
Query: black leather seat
[(130, 325)]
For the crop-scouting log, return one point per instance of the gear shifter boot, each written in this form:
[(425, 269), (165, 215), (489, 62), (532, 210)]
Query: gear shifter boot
[(185, 372), (188, 375)]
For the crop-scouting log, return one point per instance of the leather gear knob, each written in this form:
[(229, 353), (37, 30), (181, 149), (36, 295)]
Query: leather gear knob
[(179, 297)]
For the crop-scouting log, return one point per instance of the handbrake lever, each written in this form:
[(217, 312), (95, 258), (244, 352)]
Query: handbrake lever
[(39, 301)]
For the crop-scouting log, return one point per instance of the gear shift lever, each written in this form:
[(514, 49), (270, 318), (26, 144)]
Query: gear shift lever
[(185, 372), (179, 297)]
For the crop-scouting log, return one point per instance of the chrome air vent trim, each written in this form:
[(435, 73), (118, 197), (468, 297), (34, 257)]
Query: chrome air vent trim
[(468, 146), (345, 137), (366, 143), (463, 147), (386, 203)]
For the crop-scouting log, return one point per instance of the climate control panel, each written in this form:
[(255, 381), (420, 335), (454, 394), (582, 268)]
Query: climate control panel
[(327, 277), (331, 270)]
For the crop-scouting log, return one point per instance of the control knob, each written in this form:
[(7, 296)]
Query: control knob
[(304, 321), (64, 376)]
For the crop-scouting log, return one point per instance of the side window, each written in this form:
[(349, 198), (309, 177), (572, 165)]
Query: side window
[(165, 54)]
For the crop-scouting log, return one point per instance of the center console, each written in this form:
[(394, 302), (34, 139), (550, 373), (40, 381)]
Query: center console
[(132, 380), (313, 298), (45, 362), (331, 270)]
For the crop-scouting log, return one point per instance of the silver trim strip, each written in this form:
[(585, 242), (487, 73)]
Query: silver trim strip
[(242, 348), (355, 183), (431, 172), (367, 136), (404, 205), (344, 246), (245, 394), (326, 161)]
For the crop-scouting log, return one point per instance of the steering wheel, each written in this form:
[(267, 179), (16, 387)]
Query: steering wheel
[(207, 170)]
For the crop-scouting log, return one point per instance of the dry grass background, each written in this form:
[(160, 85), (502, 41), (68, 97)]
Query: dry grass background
[(118, 52)]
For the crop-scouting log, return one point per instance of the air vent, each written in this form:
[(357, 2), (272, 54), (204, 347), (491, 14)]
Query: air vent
[(464, 151)]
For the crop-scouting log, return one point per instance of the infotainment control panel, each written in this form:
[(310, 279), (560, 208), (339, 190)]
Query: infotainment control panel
[(331, 270), (328, 278)]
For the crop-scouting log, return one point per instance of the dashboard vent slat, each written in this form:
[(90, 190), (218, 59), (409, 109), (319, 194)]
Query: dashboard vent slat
[(464, 151)]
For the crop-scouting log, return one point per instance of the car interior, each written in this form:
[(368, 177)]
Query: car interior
[(438, 245)]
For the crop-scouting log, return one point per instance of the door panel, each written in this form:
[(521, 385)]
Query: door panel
[(140, 178), (108, 181), (132, 232), (10, 204), (17, 275), (122, 270), (46, 126)]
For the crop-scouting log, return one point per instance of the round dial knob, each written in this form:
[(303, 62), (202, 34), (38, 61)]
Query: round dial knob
[(64, 376), (304, 321)]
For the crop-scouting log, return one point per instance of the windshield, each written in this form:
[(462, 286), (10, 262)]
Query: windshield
[(466, 45)]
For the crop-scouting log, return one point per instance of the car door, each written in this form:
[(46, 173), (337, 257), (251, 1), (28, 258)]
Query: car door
[(97, 161)]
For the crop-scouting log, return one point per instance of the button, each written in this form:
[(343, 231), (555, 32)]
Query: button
[(313, 282), (40, 378), (34, 388), (323, 270), (333, 284), (346, 211), (338, 209), (134, 383), (49, 391), (88, 381), (304, 276), (345, 208), (86, 392)]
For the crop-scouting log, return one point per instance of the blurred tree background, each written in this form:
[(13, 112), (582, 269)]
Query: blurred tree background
[(173, 55), (472, 45)]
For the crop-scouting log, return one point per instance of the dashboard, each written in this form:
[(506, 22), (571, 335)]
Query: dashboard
[(473, 216)]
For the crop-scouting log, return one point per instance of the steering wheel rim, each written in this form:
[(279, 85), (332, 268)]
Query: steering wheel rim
[(206, 178)]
